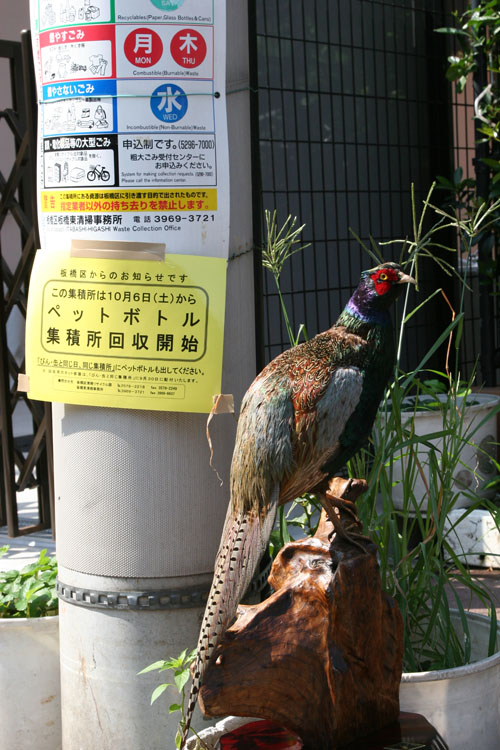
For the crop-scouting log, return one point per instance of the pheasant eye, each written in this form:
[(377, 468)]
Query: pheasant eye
[(383, 277)]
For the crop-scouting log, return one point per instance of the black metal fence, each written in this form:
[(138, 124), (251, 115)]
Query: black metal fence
[(353, 107), (24, 424)]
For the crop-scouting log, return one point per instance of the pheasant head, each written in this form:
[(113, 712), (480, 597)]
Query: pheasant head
[(376, 291)]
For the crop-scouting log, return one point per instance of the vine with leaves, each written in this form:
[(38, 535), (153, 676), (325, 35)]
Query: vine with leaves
[(476, 63)]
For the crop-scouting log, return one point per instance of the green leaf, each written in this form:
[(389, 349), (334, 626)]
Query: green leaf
[(159, 690), (152, 667), (174, 707), (180, 678), (451, 30), (445, 182), (494, 163), (181, 657), (30, 591), (300, 521)]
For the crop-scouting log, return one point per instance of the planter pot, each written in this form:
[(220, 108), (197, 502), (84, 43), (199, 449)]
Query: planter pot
[(30, 706), (474, 539), (474, 470), (463, 703)]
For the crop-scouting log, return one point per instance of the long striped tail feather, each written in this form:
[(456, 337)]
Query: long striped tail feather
[(243, 542)]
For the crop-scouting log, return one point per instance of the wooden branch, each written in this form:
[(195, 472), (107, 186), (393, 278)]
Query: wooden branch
[(323, 654)]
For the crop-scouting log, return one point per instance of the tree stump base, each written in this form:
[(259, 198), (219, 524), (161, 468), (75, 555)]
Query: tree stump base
[(322, 655)]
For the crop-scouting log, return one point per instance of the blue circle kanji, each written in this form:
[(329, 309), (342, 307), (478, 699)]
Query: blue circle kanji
[(169, 102)]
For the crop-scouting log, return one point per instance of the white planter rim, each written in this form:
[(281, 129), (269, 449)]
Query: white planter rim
[(38, 623), (484, 399), (456, 672)]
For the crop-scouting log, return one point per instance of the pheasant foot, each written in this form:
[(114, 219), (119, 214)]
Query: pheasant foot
[(339, 504)]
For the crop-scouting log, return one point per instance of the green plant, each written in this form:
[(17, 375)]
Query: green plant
[(281, 244), (418, 566), (31, 591), (476, 61), (277, 250), (302, 513), (417, 563), (179, 666), (477, 32)]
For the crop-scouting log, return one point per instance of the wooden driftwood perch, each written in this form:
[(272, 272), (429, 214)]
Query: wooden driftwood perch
[(323, 654)]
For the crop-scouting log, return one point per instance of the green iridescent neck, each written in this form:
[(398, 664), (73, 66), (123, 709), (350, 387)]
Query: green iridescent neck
[(355, 318)]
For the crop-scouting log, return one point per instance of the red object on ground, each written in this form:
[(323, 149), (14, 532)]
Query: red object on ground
[(411, 731), (261, 735)]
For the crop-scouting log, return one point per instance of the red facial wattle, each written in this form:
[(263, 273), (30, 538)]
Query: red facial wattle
[(383, 279)]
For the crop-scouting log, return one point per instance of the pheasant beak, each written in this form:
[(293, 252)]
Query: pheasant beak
[(404, 278)]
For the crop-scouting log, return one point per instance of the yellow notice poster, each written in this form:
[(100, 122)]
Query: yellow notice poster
[(136, 334)]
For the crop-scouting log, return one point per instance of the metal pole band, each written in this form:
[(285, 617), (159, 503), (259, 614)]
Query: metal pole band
[(132, 600), (149, 600)]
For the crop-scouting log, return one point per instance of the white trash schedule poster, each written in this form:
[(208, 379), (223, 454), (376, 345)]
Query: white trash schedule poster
[(132, 122)]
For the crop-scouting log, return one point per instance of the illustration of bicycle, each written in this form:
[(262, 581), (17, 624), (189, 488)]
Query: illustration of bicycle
[(98, 172)]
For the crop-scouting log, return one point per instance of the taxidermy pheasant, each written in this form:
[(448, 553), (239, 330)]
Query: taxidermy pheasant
[(303, 417)]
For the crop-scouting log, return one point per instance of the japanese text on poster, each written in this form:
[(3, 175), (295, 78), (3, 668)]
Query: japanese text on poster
[(139, 334), (132, 99)]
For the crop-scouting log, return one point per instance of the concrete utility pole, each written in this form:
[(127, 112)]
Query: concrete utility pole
[(139, 511)]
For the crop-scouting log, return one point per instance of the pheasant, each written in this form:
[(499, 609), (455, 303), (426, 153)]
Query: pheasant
[(306, 414)]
